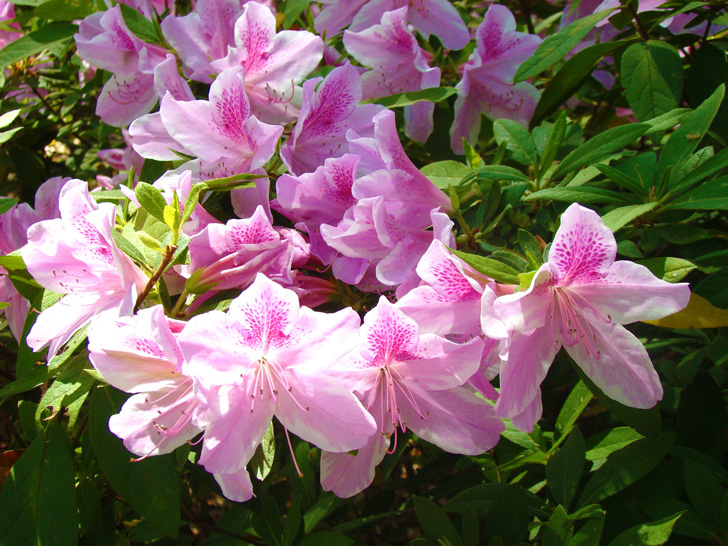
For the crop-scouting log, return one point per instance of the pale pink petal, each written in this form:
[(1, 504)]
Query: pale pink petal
[(619, 365), (150, 139), (439, 17), (530, 308), (455, 420), (236, 486), (125, 98), (347, 474)]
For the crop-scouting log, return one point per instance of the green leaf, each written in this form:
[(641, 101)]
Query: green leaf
[(624, 467), (589, 533), (445, 173), (262, 460), (704, 491), (531, 249), (666, 121), (647, 534), (6, 119), (604, 144), (553, 144), (65, 10), (620, 217), (517, 140), (710, 166), (7, 135), (708, 71), (683, 142), (292, 523), (578, 194), (326, 538), (564, 468), (508, 516), (191, 201), (557, 46), (151, 200), (575, 404), (38, 499), (604, 444), (668, 269), (494, 269), (497, 173), (6, 204), (435, 523), (570, 77), (557, 531), (652, 77), (267, 522), (709, 195), (70, 385), (151, 486), (142, 27), (34, 42), (432, 94)]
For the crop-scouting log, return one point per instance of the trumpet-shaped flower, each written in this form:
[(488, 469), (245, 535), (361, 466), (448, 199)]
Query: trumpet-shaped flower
[(275, 63), (398, 64), (487, 83), (76, 255), (140, 354), (410, 381), (579, 299), (269, 356)]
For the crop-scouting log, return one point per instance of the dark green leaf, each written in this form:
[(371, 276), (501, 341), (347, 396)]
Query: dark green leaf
[(564, 468), (685, 139), (557, 531), (531, 249), (710, 166), (704, 491), (555, 47), (140, 26), (494, 269), (267, 522), (435, 523), (689, 524), (150, 486), (652, 77), (624, 467), (432, 94), (508, 516), (570, 77), (496, 172), (37, 375), (326, 538), (709, 195), (601, 445), (578, 194), (292, 523), (517, 140), (575, 403), (708, 71), (605, 143), (589, 533), (71, 384), (34, 42), (553, 144), (38, 499), (262, 460), (702, 397), (647, 534)]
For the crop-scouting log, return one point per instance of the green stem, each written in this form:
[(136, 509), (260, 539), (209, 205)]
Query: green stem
[(167, 257), (180, 303)]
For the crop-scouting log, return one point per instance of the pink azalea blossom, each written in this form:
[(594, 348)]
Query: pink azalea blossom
[(105, 42), (487, 83), (438, 17), (221, 132), (275, 63), (330, 108), (268, 356), (398, 64), (76, 255), (408, 380), (579, 299), (7, 12), (231, 255), (140, 354)]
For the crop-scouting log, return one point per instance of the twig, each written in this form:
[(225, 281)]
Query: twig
[(526, 9), (640, 27), (167, 257)]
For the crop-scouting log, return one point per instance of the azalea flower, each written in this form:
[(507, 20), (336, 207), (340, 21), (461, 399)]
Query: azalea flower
[(487, 83), (579, 299), (76, 255), (275, 63), (408, 380), (269, 356), (398, 64), (140, 354)]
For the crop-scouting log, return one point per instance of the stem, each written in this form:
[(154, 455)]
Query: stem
[(463, 225), (180, 303), (640, 27), (526, 9), (167, 257)]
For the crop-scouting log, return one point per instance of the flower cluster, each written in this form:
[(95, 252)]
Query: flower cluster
[(346, 197)]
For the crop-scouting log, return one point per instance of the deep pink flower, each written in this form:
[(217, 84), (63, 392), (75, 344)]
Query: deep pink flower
[(579, 299)]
